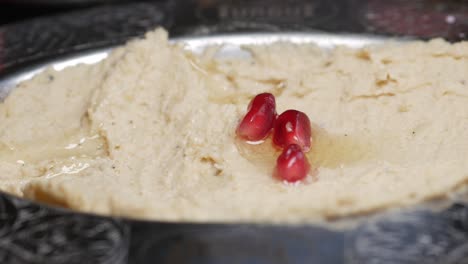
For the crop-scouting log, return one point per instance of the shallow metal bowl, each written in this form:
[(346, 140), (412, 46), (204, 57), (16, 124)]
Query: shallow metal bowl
[(32, 232)]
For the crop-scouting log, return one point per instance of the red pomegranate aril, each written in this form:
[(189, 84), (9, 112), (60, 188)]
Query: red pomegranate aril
[(292, 127), (260, 118), (292, 165)]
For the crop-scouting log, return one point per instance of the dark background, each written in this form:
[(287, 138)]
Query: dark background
[(14, 11), (420, 18)]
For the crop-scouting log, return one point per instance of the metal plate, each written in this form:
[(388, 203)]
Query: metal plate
[(35, 233)]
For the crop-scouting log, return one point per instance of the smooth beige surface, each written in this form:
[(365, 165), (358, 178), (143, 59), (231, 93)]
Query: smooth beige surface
[(149, 132)]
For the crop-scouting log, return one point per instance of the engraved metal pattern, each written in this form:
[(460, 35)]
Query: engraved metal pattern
[(34, 233), (412, 237), (98, 27)]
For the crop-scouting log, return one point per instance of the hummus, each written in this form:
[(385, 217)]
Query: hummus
[(150, 131)]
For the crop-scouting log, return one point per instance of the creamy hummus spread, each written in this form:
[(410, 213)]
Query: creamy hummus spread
[(150, 131)]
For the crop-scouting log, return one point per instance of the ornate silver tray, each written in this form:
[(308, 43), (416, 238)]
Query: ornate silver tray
[(31, 232)]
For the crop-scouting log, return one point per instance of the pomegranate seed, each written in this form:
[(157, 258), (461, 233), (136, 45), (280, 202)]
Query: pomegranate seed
[(292, 127), (292, 165), (260, 118)]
